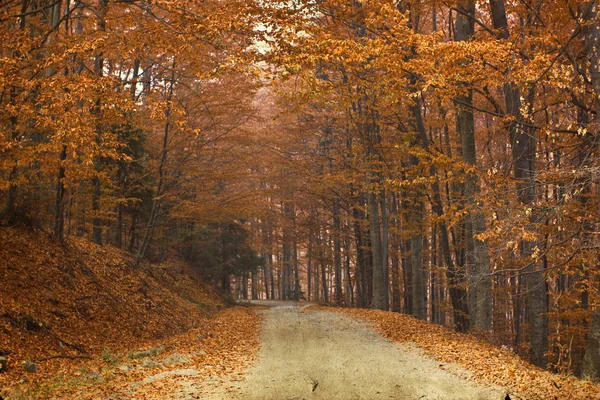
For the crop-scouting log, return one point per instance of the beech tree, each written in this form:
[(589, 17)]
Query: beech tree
[(436, 159)]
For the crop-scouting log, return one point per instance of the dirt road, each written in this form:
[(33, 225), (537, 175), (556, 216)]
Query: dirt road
[(311, 354)]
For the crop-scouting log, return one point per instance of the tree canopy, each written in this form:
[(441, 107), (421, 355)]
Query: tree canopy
[(433, 158)]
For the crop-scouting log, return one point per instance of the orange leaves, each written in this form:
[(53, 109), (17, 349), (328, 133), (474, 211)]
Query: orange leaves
[(85, 299), (488, 364)]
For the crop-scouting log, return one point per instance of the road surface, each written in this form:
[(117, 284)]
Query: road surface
[(314, 354)]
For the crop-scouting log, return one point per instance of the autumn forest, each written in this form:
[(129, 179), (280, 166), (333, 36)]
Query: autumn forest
[(433, 158)]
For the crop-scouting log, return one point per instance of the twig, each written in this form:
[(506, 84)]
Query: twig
[(62, 356)]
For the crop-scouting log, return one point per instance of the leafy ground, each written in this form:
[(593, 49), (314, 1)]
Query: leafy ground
[(487, 364), (78, 310), (173, 368)]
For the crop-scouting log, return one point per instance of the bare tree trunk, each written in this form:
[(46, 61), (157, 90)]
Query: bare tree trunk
[(378, 301), (455, 283), (99, 72), (363, 259), (267, 256), (396, 302), (416, 261), (337, 253), (161, 166), (479, 265), (324, 275), (59, 219), (349, 292), (591, 360), (407, 276), (266, 275), (385, 239), (272, 274), (433, 275), (297, 289)]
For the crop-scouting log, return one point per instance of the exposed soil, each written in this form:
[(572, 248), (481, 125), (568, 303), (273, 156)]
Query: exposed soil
[(314, 354)]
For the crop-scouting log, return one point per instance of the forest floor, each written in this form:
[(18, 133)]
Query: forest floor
[(98, 326), (183, 366), (82, 321), (302, 352), (290, 350)]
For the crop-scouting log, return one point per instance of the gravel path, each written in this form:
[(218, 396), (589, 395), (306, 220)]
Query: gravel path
[(310, 354)]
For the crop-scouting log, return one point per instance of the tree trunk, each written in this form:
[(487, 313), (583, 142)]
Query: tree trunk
[(385, 240), (591, 360), (59, 218), (478, 261), (337, 253), (407, 276), (297, 289), (272, 274), (161, 166), (323, 272), (396, 302), (378, 301), (98, 71), (416, 261), (349, 292), (309, 277), (363, 280), (455, 282), (7, 210)]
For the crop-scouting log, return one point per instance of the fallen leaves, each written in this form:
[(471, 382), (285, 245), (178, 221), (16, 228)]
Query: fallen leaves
[(59, 303), (221, 358), (487, 364)]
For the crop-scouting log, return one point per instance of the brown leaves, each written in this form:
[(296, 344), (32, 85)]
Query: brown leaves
[(488, 364), (84, 299), (220, 358)]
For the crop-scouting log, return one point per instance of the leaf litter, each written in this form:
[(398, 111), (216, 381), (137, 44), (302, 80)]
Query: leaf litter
[(81, 311), (486, 363)]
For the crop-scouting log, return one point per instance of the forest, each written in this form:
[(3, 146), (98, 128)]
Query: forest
[(437, 158)]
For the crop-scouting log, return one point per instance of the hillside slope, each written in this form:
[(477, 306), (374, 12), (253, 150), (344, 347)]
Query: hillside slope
[(81, 299)]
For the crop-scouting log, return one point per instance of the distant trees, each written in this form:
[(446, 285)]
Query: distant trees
[(461, 150), (435, 159)]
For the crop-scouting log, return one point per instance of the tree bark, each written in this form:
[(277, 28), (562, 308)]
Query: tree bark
[(309, 260), (161, 172), (363, 259), (99, 72), (591, 360), (378, 301), (323, 270), (337, 253), (478, 261), (455, 282), (385, 240), (419, 306), (349, 292), (523, 154), (59, 218)]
